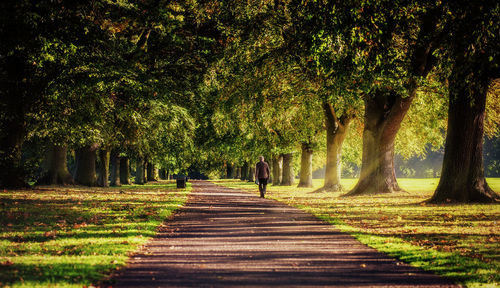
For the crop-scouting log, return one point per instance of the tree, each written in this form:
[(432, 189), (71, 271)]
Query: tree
[(473, 48), (400, 52)]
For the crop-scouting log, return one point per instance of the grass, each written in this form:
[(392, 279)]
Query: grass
[(75, 236), (458, 241)]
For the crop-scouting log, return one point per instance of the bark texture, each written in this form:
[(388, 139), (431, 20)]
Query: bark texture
[(462, 177), (306, 166), (125, 170), (56, 165), (336, 130), (104, 155), (277, 169), (288, 175), (85, 172), (384, 112), (385, 109), (139, 171), (115, 168)]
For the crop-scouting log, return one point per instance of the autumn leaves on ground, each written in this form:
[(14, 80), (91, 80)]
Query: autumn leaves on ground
[(75, 236)]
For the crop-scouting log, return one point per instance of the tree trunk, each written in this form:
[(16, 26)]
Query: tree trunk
[(145, 172), (270, 163), (139, 171), (277, 170), (336, 130), (104, 169), (238, 173), (85, 172), (384, 111), (11, 142), (462, 176), (229, 170), (115, 168), (306, 166), (162, 173), (234, 171), (125, 170), (151, 172), (288, 176), (56, 165), (251, 174), (244, 171)]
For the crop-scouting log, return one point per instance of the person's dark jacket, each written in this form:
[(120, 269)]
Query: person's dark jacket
[(262, 170)]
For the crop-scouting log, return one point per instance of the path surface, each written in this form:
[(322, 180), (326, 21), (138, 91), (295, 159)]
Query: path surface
[(229, 238)]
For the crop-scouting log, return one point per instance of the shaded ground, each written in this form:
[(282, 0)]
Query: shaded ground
[(225, 237)]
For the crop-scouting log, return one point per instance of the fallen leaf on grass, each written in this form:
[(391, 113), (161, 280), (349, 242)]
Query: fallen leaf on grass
[(7, 263)]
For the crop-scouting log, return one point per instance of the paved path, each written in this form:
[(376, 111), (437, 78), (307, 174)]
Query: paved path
[(229, 238)]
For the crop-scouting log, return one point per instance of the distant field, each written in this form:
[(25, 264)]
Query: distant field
[(459, 241)]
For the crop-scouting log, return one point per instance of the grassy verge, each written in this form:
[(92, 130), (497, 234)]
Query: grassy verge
[(458, 241), (75, 236)]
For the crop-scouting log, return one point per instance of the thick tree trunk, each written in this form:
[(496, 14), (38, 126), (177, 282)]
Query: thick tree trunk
[(85, 172), (277, 169), (139, 171), (384, 112), (151, 172), (462, 177), (288, 175), (251, 174), (336, 130), (104, 168), (244, 171), (125, 170), (238, 173), (115, 168), (11, 142), (56, 165), (306, 166)]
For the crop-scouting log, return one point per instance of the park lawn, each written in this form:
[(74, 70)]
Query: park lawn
[(75, 236), (458, 241)]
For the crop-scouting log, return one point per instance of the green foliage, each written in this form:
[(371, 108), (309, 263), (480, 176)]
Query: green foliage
[(69, 237)]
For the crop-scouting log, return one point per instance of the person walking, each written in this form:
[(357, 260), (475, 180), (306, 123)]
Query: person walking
[(262, 174)]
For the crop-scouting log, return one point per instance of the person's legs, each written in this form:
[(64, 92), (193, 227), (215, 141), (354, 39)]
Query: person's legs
[(262, 186)]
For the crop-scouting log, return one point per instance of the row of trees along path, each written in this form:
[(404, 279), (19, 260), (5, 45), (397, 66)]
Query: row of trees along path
[(226, 237)]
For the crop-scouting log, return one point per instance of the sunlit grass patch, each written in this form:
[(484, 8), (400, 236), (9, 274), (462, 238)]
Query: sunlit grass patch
[(74, 236), (459, 241)]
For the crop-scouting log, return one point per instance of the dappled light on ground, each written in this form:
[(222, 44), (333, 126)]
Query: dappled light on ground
[(71, 236), (460, 241)]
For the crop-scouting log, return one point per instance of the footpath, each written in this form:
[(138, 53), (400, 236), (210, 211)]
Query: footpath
[(230, 238)]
